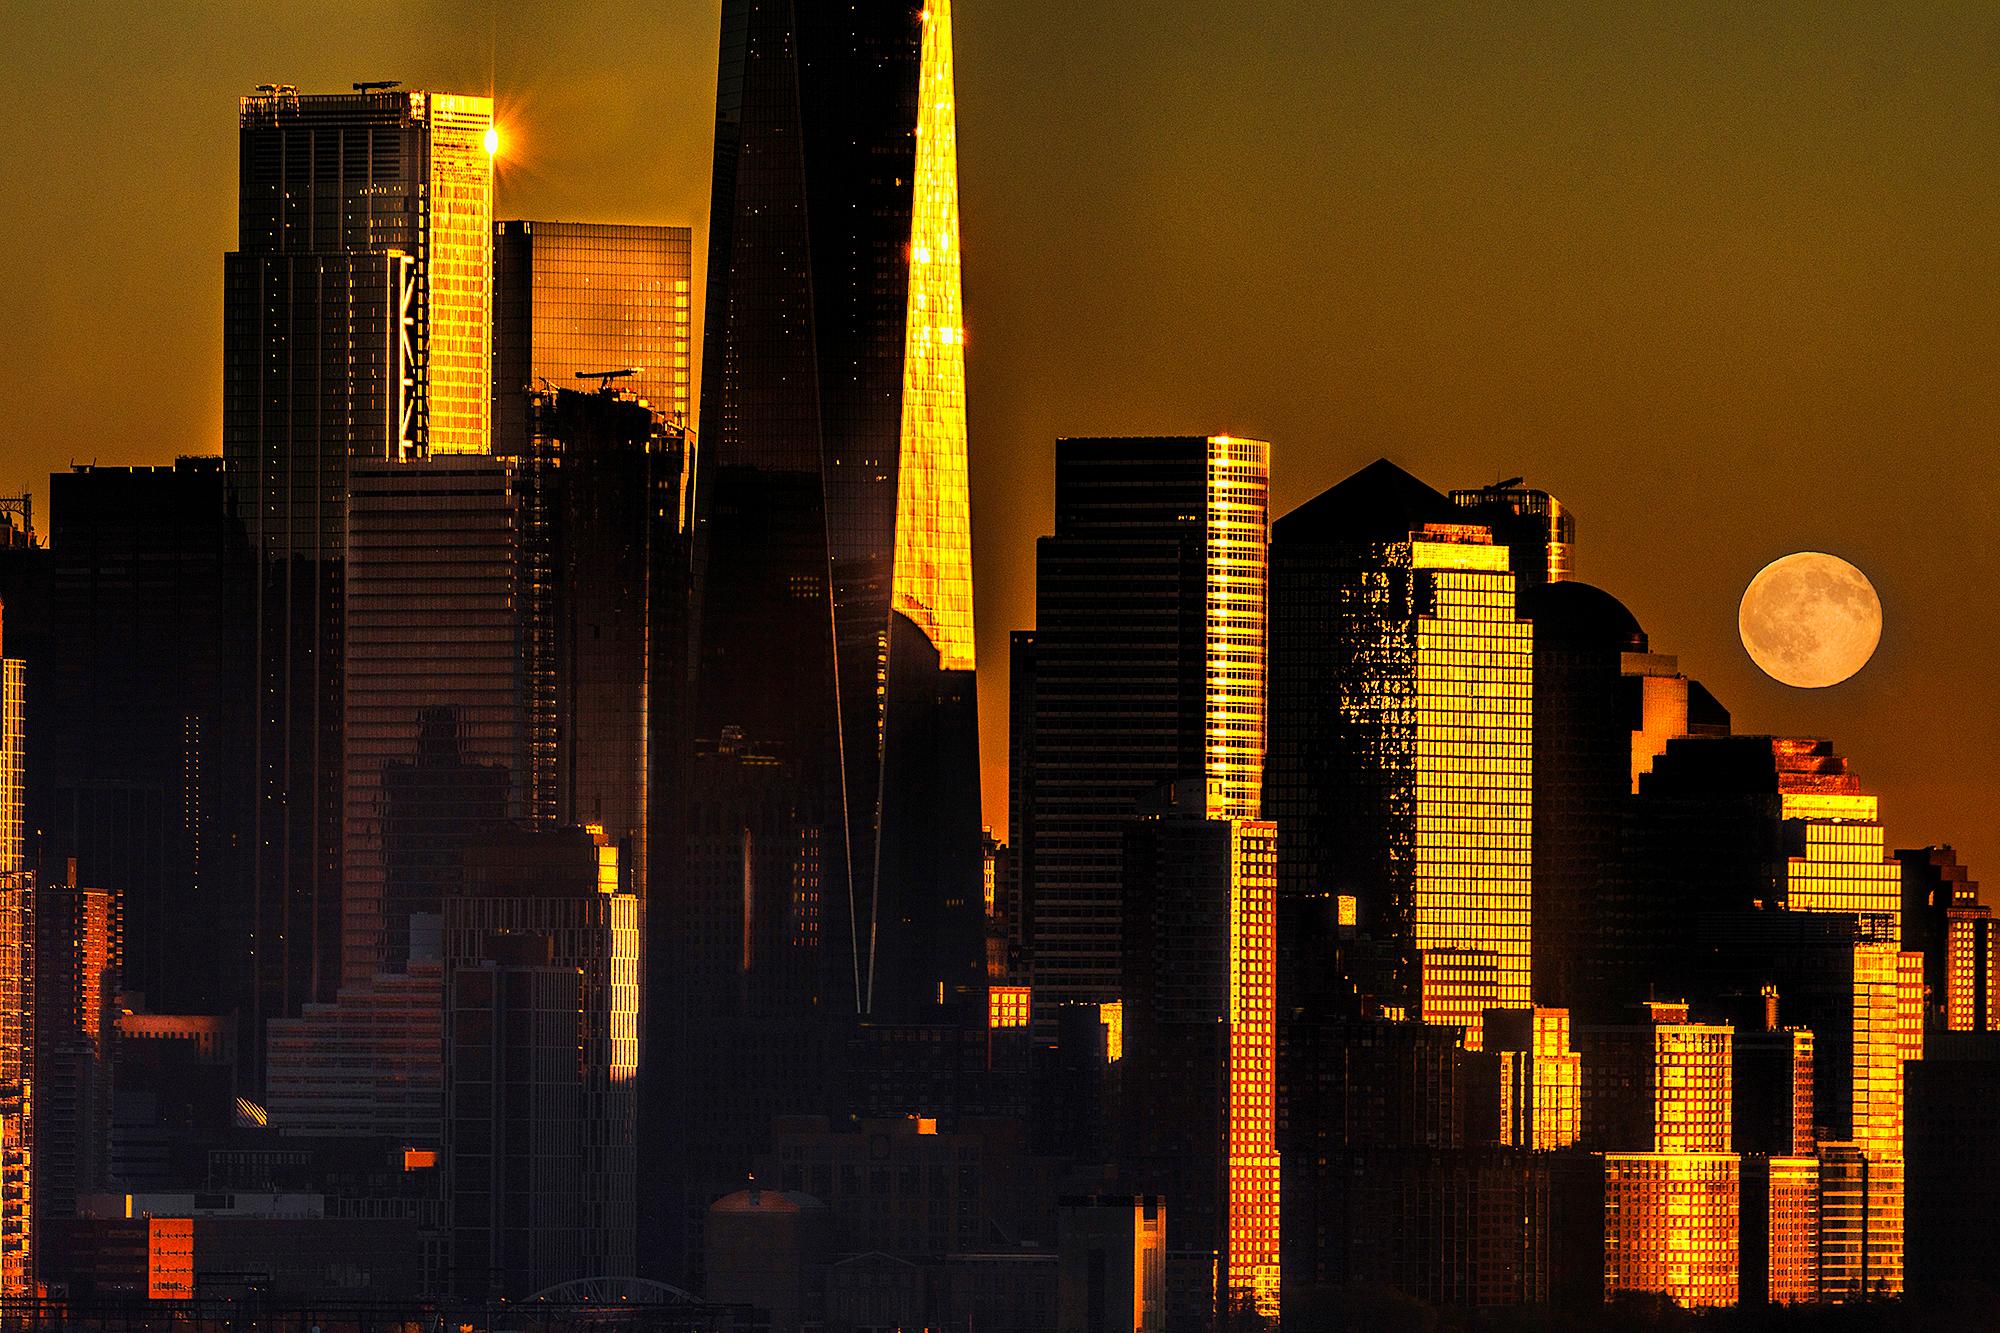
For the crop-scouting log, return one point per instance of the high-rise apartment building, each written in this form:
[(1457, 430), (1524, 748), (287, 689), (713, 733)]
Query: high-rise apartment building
[(1401, 768), (578, 297), (76, 983), (357, 324), (1198, 1068), (1658, 1104), (1539, 1077), (17, 995), (1146, 667), (1944, 920)]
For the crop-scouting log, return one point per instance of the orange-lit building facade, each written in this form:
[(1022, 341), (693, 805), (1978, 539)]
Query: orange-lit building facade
[(1658, 1103), (1401, 768), (1945, 920), (1540, 1077), (1200, 1037)]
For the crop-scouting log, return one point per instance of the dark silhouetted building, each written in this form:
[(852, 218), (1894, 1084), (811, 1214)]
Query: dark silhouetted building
[(357, 324), (541, 948), (833, 626), (435, 729), (1146, 667), (1111, 1264), (1944, 920), (75, 1009), (144, 771)]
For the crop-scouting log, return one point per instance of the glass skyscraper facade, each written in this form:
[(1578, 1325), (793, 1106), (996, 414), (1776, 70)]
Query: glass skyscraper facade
[(834, 587), (1146, 667), (1401, 770), (824, 862), (357, 324), (586, 296)]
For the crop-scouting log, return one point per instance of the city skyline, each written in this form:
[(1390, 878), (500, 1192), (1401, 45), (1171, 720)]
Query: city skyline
[(1745, 251)]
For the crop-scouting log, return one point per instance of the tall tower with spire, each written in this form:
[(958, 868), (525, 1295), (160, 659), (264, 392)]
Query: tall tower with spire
[(823, 866)]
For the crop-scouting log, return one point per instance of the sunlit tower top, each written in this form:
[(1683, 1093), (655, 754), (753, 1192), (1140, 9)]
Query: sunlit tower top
[(833, 514), (389, 171)]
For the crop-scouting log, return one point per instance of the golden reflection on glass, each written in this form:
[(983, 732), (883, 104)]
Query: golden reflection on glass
[(1473, 773), (1253, 1152), (459, 235), (933, 560), (1238, 548)]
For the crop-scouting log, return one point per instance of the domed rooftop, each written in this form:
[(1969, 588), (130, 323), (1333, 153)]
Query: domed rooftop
[(757, 1199), (1581, 615)]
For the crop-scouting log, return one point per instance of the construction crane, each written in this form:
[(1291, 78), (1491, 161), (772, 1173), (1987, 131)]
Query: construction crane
[(377, 85), (604, 377)]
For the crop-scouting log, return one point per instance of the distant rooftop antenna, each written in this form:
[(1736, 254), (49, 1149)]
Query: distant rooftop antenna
[(1506, 485), (604, 377)]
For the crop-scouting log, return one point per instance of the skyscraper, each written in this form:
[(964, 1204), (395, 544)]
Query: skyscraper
[(145, 774), (1146, 667), (1401, 770), (835, 565), (17, 996), (831, 733), (357, 324), (435, 701), (585, 296), (1200, 1040), (541, 951)]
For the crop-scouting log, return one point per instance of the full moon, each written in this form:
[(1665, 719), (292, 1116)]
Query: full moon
[(1810, 620)]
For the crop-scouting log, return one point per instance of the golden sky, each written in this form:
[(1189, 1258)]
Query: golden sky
[(1723, 276)]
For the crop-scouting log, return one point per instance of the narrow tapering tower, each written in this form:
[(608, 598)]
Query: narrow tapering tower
[(835, 582), (824, 862)]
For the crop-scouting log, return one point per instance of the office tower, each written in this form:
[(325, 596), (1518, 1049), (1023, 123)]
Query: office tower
[(1583, 728), (75, 1008), (1538, 528), (1146, 667), (1111, 1264), (1773, 1078), (1657, 1103), (573, 297), (604, 539), (831, 633), (1662, 705), (835, 595), (1401, 770), (541, 948), (357, 324), (1200, 1011), (1944, 920), (1727, 823), (435, 699), (1539, 1078), (146, 779)]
